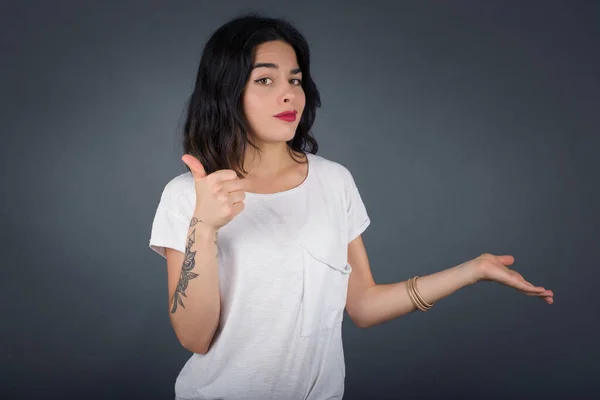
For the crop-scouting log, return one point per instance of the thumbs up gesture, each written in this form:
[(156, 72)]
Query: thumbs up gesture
[(219, 195)]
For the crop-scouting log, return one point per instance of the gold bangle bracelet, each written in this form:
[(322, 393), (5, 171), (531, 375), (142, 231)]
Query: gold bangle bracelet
[(413, 289), (421, 299), (413, 297)]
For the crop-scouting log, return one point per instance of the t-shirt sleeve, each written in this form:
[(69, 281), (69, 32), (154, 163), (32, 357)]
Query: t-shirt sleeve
[(169, 227), (358, 219)]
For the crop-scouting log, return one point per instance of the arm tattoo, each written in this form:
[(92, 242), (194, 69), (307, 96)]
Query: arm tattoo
[(189, 263)]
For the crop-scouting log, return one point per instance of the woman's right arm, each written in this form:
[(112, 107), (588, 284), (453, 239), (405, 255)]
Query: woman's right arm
[(193, 282), (193, 276)]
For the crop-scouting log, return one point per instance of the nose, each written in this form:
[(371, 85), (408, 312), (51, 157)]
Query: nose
[(288, 94)]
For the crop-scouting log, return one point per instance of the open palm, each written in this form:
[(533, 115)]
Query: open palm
[(495, 268)]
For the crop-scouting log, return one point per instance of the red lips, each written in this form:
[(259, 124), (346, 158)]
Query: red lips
[(287, 113), (288, 116)]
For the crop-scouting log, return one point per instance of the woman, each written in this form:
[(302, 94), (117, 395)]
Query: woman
[(263, 237)]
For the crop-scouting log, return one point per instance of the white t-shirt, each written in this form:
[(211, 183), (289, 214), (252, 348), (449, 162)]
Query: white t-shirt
[(283, 278)]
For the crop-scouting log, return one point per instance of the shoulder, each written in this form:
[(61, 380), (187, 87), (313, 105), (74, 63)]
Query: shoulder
[(178, 186), (179, 194), (332, 171)]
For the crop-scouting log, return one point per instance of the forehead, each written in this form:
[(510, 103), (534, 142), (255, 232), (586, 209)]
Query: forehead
[(275, 51)]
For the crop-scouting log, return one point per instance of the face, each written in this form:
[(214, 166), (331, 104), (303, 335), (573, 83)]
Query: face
[(274, 86)]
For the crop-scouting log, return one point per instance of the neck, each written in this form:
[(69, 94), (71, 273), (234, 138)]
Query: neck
[(273, 158)]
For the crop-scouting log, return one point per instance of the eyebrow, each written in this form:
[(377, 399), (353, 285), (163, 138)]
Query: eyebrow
[(271, 65)]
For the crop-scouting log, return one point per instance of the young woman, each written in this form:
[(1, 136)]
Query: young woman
[(262, 237)]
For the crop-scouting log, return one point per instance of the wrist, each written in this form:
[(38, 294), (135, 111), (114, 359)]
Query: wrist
[(473, 271), (202, 227), (476, 271)]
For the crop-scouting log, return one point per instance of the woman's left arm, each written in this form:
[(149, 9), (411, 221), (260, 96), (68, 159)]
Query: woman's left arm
[(370, 304)]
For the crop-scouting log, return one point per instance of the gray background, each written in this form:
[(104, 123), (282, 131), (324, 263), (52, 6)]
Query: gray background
[(469, 126)]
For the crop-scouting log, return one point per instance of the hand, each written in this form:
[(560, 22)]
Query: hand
[(219, 197), (494, 268)]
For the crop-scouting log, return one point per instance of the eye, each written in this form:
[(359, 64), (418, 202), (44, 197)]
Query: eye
[(261, 80), (299, 81)]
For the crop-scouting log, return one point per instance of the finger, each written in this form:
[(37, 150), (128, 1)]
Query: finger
[(194, 165), (236, 196), (547, 296), (233, 185), (223, 175), (507, 259), (547, 299), (237, 208), (545, 293), (528, 287)]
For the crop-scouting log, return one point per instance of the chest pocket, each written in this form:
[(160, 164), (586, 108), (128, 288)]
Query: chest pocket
[(325, 268), (324, 294)]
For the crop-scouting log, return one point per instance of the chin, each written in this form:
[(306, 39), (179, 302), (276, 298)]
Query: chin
[(284, 136)]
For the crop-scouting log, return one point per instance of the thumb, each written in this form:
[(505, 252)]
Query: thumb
[(507, 259), (195, 165)]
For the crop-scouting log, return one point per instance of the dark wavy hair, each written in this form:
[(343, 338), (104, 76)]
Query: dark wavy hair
[(216, 129)]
